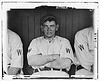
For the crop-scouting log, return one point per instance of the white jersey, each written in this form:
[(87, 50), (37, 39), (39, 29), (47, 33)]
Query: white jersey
[(15, 50), (58, 45), (84, 47)]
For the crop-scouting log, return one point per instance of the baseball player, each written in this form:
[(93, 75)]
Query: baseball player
[(50, 55), (15, 53), (84, 48)]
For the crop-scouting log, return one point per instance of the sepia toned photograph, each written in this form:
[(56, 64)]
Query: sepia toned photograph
[(49, 40)]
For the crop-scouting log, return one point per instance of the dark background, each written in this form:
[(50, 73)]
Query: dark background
[(26, 23)]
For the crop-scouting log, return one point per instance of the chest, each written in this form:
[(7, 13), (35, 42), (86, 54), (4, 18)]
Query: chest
[(49, 48)]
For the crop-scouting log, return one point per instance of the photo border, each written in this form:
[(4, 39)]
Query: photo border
[(7, 5)]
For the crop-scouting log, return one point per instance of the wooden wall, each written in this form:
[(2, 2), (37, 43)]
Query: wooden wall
[(26, 23)]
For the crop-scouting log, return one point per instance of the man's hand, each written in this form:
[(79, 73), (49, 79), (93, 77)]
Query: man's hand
[(13, 70), (55, 56)]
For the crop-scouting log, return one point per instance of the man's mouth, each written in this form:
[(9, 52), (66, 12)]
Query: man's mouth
[(49, 32)]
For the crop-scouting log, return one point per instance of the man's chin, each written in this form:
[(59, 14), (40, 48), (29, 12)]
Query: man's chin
[(49, 36)]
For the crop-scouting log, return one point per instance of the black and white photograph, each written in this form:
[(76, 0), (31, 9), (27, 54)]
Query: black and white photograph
[(50, 39)]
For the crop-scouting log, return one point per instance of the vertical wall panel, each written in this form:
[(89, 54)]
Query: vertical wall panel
[(62, 23), (75, 21), (31, 26), (37, 23), (19, 23), (69, 24), (88, 18), (82, 19)]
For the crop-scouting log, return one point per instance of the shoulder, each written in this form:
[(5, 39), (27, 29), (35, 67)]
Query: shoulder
[(62, 39), (36, 40), (84, 32), (13, 36)]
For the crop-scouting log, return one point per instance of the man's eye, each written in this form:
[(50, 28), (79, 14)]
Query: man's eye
[(52, 26), (45, 26)]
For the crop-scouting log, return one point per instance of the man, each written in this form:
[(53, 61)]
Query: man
[(15, 53), (84, 48), (50, 52)]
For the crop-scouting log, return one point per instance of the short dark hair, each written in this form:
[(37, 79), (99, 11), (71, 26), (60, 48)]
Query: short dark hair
[(49, 18)]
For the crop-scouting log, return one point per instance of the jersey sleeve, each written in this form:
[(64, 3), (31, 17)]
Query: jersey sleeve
[(82, 50), (32, 49), (16, 52), (66, 50)]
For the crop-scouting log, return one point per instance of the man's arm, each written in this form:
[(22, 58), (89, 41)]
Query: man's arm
[(39, 60), (66, 56), (16, 50), (84, 55), (13, 70), (61, 63)]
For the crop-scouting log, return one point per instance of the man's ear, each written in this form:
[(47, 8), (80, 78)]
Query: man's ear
[(57, 26), (41, 27)]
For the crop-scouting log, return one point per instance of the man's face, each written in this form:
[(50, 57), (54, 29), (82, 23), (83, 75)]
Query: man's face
[(50, 28)]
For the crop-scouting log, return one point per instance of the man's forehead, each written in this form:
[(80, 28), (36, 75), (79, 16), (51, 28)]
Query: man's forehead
[(49, 23)]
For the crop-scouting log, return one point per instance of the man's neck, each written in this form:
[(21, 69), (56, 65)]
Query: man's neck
[(49, 38)]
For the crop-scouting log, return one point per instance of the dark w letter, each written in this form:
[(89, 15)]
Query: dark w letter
[(67, 50), (81, 47), (19, 52)]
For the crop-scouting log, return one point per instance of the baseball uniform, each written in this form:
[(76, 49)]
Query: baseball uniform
[(84, 47), (15, 50), (58, 45)]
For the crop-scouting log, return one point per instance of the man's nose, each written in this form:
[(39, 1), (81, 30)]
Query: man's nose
[(48, 28)]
